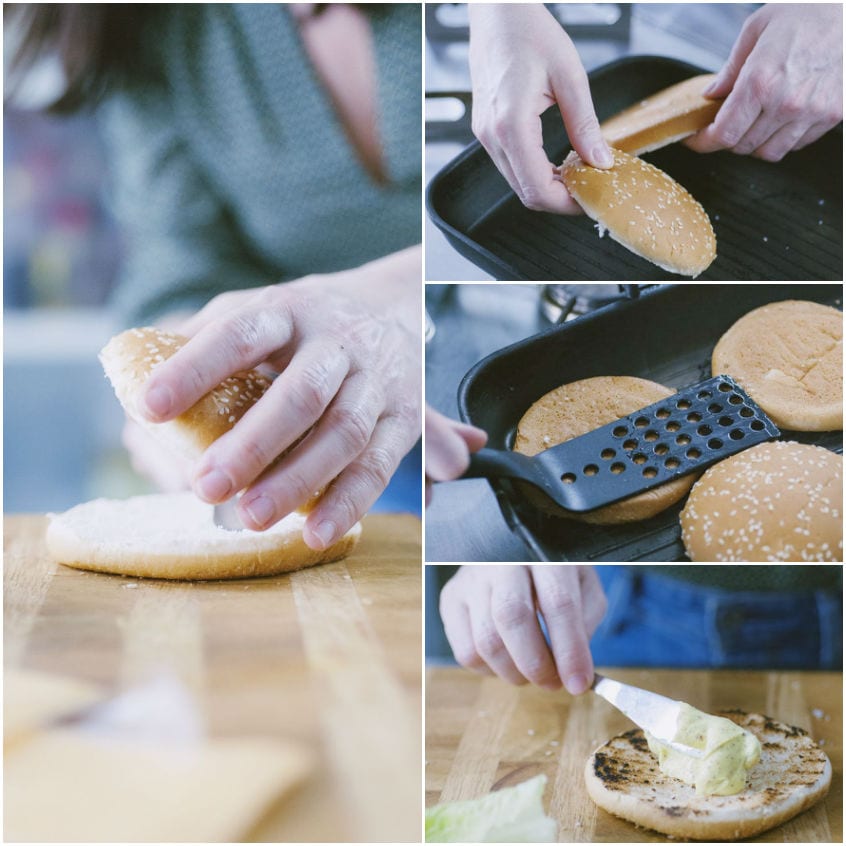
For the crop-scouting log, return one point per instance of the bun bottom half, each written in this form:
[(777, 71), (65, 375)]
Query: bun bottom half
[(623, 778), (173, 536)]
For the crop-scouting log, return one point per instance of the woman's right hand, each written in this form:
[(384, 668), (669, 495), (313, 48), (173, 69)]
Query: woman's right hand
[(522, 62), (490, 616)]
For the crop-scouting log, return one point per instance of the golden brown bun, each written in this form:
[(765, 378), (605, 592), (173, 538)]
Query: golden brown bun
[(779, 501), (793, 773), (645, 210), (173, 536), (663, 118), (128, 360), (580, 407), (788, 356)]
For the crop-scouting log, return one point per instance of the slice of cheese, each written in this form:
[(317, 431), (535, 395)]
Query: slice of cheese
[(69, 785)]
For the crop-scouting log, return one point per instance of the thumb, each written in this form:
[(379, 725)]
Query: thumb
[(726, 78), (572, 93)]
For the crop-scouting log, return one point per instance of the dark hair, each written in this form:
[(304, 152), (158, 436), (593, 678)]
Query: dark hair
[(99, 45)]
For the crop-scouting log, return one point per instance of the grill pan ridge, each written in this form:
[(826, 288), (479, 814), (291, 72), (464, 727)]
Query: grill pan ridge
[(772, 220), (666, 335)]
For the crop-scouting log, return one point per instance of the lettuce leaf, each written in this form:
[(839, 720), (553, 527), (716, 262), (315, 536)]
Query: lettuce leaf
[(511, 815)]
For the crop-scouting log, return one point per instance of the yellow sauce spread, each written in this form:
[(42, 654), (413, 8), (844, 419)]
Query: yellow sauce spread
[(728, 751)]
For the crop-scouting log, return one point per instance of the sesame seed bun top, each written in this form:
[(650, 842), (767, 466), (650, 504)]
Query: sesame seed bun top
[(645, 210), (780, 501), (129, 359)]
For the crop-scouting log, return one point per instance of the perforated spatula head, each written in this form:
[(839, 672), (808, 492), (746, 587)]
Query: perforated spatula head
[(687, 432)]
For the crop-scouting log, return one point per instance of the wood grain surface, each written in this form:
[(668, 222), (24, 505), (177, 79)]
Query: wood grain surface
[(329, 656), (483, 734)]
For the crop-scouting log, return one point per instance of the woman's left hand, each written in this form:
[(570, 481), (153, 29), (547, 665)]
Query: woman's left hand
[(347, 350)]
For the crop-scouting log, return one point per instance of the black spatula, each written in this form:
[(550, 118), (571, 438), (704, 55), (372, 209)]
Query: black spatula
[(686, 432)]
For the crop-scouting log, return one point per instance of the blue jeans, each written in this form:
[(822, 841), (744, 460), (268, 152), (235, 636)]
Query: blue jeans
[(656, 621)]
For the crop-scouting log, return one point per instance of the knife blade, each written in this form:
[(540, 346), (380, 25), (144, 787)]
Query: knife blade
[(653, 712), (225, 515)]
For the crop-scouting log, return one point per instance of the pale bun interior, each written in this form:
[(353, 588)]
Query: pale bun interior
[(173, 536)]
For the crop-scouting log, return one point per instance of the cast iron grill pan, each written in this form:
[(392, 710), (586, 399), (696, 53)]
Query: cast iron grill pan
[(666, 335), (773, 221)]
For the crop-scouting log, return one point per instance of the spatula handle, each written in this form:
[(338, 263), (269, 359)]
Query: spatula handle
[(499, 463)]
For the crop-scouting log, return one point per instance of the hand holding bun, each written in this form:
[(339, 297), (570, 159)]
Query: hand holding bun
[(645, 210)]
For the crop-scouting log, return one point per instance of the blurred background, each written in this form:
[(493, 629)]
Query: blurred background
[(61, 254), (699, 33), (724, 616)]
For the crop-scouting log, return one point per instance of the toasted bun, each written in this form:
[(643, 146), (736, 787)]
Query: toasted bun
[(580, 407), (128, 360), (173, 536), (663, 118), (779, 501), (788, 356), (793, 773), (645, 210)]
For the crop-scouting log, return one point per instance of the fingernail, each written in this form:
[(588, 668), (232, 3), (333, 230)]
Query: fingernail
[(325, 532), (213, 485), (260, 509), (576, 684), (158, 401), (603, 156)]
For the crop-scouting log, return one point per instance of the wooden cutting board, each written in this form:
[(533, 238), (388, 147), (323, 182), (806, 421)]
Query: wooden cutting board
[(483, 734), (328, 656)]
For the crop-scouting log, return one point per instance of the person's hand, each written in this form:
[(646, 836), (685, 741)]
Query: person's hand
[(783, 83), (346, 347), (490, 619), (521, 62), (448, 447)]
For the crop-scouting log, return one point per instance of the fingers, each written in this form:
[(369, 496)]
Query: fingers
[(559, 597), (359, 485), (516, 146), (728, 74), (218, 350), (572, 93), (455, 616), (516, 620), (293, 403), (780, 143), (448, 444), (342, 433)]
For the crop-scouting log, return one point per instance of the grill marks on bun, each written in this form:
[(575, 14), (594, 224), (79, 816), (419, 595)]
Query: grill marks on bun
[(788, 356), (623, 778), (645, 210), (780, 501)]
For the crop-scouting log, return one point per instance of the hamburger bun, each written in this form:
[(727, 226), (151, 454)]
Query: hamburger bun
[(580, 407), (623, 778), (129, 359), (645, 210), (788, 356), (173, 536), (779, 501), (663, 118)]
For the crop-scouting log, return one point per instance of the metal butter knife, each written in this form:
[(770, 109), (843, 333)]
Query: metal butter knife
[(226, 515), (652, 712)]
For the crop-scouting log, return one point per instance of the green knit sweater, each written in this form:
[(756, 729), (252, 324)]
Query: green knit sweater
[(235, 172)]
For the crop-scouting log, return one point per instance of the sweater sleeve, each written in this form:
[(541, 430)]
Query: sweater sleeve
[(181, 242)]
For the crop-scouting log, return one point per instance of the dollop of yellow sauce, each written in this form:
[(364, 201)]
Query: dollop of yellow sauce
[(728, 752)]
